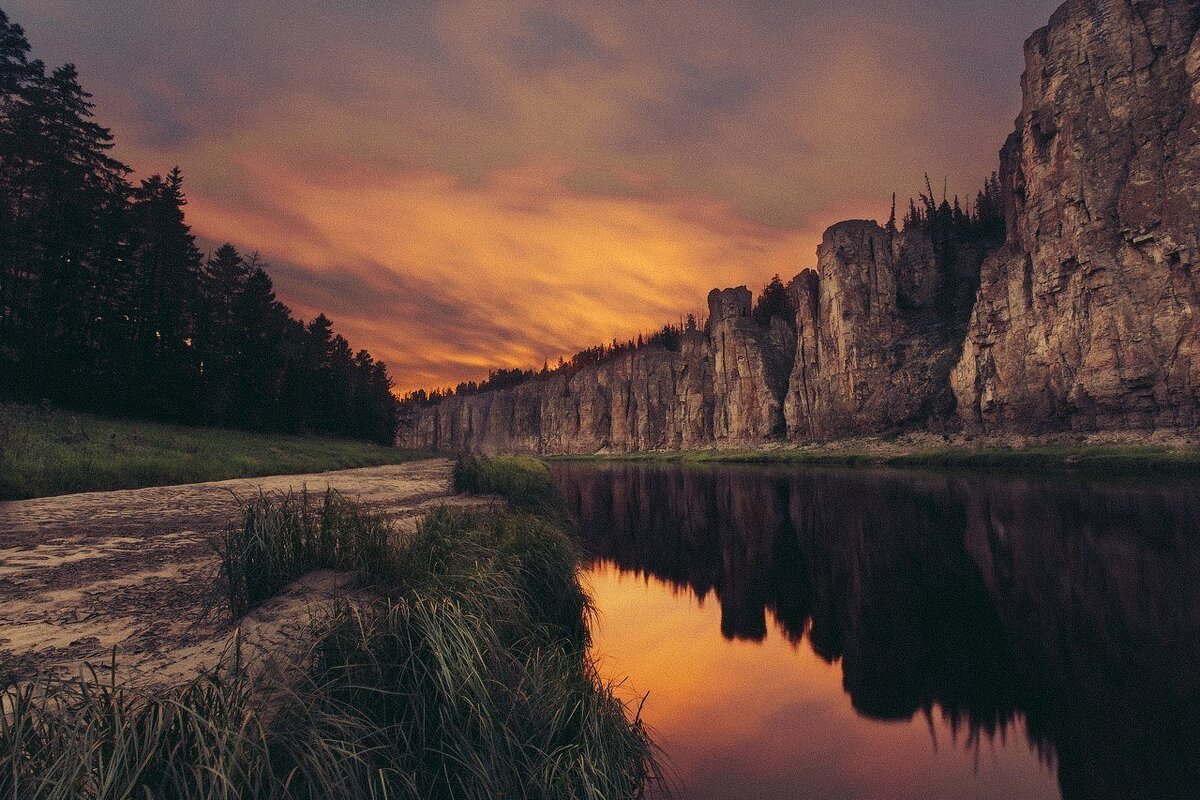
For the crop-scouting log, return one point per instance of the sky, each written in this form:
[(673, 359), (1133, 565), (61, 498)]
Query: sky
[(462, 186)]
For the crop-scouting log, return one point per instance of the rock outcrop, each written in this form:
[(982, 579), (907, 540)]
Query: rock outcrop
[(724, 385), (750, 366), (875, 340), (649, 399), (1088, 316)]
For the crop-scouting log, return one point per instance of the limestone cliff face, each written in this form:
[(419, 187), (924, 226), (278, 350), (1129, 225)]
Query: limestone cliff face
[(650, 399), (875, 342), (750, 368), (723, 386), (1089, 317)]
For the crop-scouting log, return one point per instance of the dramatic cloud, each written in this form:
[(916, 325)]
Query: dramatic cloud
[(465, 185)]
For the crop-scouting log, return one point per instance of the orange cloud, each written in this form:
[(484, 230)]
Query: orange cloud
[(549, 270), (463, 184)]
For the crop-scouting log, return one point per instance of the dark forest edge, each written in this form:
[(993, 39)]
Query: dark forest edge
[(108, 305), (477, 620), (45, 451)]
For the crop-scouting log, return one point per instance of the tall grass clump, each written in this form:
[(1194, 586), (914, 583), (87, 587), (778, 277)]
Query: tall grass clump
[(524, 482), (465, 674), (219, 736), (480, 676), (282, 537)]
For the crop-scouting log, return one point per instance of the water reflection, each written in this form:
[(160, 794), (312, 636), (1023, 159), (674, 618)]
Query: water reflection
[(1067, 610)]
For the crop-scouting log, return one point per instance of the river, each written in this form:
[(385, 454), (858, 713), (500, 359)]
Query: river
[(826, 633)]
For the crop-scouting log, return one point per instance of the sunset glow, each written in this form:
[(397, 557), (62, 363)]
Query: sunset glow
[(465, 186), (713, 704)]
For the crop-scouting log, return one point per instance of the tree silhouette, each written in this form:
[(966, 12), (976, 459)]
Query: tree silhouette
[(773, 302), (106, 302)]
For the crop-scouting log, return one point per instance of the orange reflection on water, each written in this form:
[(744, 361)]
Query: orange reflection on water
[(741, 719)]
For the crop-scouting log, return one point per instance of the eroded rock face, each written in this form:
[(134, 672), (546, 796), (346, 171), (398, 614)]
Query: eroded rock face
[(1088, 317), (650, 399), (874, 342), (723, 386), (751, 364)]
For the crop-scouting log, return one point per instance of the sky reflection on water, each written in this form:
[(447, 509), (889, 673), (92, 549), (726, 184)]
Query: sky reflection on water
[(840, 634), (742, 719)]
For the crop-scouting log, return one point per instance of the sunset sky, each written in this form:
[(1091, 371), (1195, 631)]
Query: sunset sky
[(468, 185)]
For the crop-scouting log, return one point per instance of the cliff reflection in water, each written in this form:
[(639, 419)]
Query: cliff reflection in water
[(1072, 605)]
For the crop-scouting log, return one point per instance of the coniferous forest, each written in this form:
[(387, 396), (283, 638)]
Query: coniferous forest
[(107, 304)]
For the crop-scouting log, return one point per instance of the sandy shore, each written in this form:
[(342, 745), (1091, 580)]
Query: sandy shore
[(136, 570)]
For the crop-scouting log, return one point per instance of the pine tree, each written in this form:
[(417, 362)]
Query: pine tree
[(773, 302), (263, 329), (215, 341), (17, 76), (75, 195), (168, 268), (224, 276)]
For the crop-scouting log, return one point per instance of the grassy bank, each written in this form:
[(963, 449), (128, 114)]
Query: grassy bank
[(1055, 457), (466, 676), (47, 452), (524, 482)]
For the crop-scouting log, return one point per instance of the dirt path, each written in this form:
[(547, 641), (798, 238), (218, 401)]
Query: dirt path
[(136, 569)]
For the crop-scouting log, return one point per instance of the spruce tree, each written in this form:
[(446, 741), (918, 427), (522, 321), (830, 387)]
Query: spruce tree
[(17, 75), (75, 192), (167, 263)]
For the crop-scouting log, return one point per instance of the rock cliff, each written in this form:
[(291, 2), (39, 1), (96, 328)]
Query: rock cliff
[(750, 366), (1086, 316), (875, 340), (650, 399)]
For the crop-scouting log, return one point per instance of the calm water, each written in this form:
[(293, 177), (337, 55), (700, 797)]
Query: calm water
[(856, 634)]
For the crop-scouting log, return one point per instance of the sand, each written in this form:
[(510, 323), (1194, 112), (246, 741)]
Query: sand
[(137, 570)]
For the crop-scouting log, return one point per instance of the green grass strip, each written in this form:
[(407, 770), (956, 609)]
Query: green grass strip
[(48, 452)]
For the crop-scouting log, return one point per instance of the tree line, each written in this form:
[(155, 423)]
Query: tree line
[(961, 234), (107, 304)]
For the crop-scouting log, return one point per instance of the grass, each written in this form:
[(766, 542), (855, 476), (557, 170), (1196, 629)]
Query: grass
[(46, 452), (522, 481), (280, 538), (467, 677), (1092, 459)]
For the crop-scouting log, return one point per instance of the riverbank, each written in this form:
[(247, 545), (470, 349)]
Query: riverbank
[(136, 570), (46, 452), (446, 657), (1115, 453)]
